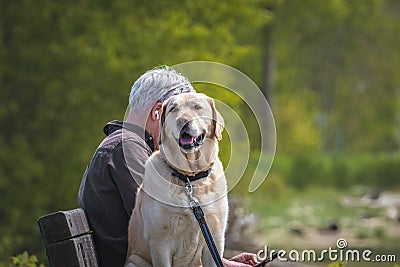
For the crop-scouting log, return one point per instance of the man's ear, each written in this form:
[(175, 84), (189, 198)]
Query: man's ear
[(155, 112), (218, 121)]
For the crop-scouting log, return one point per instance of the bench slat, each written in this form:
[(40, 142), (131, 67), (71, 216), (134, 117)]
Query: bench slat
[(76, 252), (63, 225)]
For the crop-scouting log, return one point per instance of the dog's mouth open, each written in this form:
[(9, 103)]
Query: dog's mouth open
[(188, 142)]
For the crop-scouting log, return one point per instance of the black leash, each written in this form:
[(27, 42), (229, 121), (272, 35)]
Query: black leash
[(199, 214), (264, 262)]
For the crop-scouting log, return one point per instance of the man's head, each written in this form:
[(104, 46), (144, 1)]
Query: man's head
[(150, 91), (156, 86)]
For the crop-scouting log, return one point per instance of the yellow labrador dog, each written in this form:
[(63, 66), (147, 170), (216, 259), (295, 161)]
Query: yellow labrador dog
[(163, 230)]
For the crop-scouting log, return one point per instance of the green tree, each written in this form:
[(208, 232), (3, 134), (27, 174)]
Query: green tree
[(344, 52)]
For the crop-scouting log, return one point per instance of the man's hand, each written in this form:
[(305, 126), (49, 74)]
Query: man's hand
[(241, 260)]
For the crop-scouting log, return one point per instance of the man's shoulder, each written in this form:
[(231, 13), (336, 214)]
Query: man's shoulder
[(112, 140), (123, 139), (120, 138)]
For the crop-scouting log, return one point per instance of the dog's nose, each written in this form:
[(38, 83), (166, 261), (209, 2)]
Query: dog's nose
[(182, 121)]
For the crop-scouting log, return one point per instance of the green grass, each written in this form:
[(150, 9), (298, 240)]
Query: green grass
[(313, 208)]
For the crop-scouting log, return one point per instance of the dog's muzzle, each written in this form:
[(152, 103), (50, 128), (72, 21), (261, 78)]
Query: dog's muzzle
[(187, 141)]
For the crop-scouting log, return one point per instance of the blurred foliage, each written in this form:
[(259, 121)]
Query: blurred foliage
[(380, 171), (336, 264), (25, 260), (66, 69), (344, 54)]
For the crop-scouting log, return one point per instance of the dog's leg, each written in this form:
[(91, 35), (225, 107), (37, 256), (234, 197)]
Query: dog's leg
[(220, 243), (206, 258), (137, 261), (161, 254)]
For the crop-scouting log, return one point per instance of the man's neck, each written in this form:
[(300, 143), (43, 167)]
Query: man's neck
[(137, 119), (143, 120)]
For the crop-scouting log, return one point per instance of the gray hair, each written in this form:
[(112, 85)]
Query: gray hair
[(157, 85)]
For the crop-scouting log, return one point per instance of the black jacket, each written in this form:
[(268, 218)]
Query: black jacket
[(109, 185)]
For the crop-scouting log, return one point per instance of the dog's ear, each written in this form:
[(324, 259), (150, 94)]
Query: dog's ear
[(162, 120), (163, 111), (218, 121)]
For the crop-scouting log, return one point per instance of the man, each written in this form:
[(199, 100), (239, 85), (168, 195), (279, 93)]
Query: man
[(108, 189)]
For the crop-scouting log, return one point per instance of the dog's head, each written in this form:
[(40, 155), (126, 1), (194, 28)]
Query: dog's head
[(190, 123)]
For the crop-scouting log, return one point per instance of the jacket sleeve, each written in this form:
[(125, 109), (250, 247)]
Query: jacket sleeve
[(127, 170), (107, 195)]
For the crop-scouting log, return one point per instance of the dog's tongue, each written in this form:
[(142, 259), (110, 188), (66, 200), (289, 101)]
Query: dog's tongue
[(187, 139)]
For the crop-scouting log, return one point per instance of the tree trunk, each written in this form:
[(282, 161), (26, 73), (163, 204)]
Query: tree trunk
[(269, 61)]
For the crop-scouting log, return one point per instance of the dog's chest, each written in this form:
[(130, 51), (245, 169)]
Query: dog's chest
[(186, 241)]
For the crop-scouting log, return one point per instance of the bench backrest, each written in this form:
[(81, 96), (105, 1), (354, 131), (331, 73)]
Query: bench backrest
[(68, 239)]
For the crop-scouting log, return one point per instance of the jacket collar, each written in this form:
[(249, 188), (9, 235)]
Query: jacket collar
[(115, 125)]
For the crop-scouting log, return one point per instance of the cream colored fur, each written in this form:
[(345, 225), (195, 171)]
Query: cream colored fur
[(163, 230)]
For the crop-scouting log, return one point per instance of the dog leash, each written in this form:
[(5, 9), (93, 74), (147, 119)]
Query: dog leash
[(264, 262), (199, 214)]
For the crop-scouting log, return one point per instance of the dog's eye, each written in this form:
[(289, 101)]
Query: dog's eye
[(198, 107)]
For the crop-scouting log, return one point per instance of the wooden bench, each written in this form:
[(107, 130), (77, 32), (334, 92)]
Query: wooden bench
[(68, 239)]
